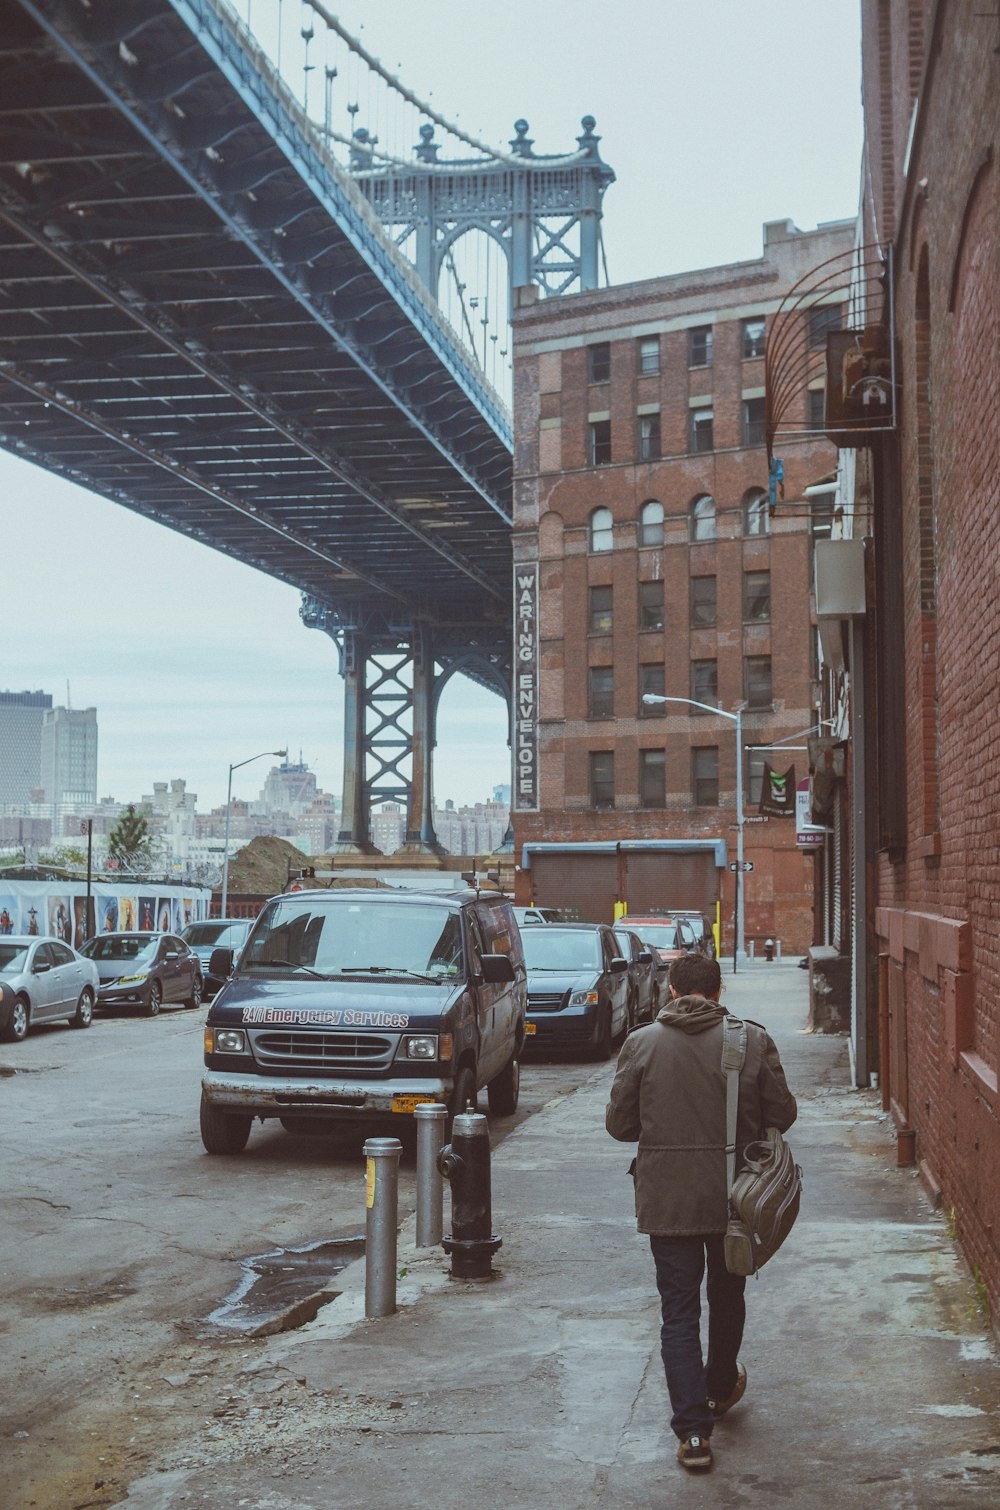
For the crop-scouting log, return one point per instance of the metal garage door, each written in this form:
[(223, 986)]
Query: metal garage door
[(585, 886), (655, 881)]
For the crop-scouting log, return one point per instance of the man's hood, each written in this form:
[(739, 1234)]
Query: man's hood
[(692, 1014)]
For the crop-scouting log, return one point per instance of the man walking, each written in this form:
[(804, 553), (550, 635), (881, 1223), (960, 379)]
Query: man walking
[(670, 1094)]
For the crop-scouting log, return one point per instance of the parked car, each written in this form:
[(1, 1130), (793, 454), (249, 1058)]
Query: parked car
[(535, 915), (670, 938), (364, 1004), (702, 930), (644, 986), (46, 981), (578, 987), (145, 970), (216, 933)]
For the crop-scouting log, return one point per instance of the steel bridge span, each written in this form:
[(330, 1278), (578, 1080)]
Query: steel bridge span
[(202, 318)]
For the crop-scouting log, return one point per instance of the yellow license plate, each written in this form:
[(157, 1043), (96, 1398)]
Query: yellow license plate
[(407, 1103), (530, 1028)]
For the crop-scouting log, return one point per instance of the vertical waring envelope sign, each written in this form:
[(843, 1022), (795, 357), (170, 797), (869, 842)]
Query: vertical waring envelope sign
[(525, 740)]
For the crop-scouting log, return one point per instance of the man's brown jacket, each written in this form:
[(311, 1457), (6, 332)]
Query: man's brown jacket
[(670, 1094)]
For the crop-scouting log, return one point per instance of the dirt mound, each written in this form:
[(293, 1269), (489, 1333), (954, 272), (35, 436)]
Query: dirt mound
[(262, 866)]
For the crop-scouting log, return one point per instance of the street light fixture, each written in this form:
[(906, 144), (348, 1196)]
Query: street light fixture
[(655, 698), (229, 798)]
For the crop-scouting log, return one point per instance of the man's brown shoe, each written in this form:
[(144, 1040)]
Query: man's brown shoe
[(719, 1407), (695, 1453)]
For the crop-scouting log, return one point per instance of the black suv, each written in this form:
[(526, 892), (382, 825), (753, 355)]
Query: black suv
[(363, 1004)]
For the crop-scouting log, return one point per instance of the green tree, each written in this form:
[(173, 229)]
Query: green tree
[(128, 841)]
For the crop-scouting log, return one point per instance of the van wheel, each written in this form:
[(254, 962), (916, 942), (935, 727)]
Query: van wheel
[(223, 1132), (463, 1096), (602, 1048), (504, 1089)]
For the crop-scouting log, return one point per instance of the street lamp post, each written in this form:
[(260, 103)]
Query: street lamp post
[(229, 798), (736, 719)]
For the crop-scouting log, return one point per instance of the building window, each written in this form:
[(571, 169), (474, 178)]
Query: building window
[(703, 602), (651, 605), (753, 421), (601, 701), (599, 362), (816, 400), (753, 338), (756, 512), (601, 530), (701, 437), (823, 319), (705, 776), (705, 682), (756, 597), (649, 437), (652, 680), (651, 523), (649, 355), (599, 442), (700, 346), (703, 518), (757, 681), (601, 610), (652, 778), (602, 779)]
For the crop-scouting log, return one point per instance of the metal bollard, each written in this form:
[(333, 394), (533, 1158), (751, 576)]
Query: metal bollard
[(466, 1162), (430, 1120), (381, 1222)]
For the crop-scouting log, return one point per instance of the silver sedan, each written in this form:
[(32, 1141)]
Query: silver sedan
[(46, 981)]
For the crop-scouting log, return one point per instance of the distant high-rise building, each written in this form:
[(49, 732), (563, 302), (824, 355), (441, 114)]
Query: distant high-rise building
[(21, 715), (69, 756), (289, 788)]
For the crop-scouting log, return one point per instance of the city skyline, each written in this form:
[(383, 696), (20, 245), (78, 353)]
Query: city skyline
[(195, 661)]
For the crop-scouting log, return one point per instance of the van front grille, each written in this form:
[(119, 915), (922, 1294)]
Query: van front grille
[(305, 1049)]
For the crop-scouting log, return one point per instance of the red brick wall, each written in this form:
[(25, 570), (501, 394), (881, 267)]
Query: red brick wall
[(555, 493), (940, 903)]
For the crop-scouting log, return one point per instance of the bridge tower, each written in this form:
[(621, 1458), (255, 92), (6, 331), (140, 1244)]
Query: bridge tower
[(544, 213)]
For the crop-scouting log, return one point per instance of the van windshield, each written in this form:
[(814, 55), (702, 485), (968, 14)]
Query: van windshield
[(354, 939), (555, 948)]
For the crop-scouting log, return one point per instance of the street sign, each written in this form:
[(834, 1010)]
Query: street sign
[(747, 865)]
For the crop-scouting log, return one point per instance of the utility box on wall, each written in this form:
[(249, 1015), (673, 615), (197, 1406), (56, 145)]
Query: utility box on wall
[(840, 579)]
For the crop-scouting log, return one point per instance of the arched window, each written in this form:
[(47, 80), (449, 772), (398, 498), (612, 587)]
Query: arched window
[(756, 512), (651, 523), (601, 530), (703, 518)]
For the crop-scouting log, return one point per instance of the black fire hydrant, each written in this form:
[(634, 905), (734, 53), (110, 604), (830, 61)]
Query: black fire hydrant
[(769, 950), (466, 1163)]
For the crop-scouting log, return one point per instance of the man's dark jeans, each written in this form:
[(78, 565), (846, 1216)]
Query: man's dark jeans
[(680, 1267)]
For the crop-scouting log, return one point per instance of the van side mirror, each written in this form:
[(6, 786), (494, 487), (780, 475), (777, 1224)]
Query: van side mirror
[(645, 957), (619, 965), (221, 964), (498, 969)]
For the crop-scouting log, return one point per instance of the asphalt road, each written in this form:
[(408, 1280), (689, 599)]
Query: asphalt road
[(121, 1237)]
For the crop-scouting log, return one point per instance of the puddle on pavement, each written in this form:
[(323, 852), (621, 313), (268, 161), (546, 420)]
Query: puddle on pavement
[(284, 1288)]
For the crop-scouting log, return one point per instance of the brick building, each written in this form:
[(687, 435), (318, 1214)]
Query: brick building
[(647, 561), (928, 704)]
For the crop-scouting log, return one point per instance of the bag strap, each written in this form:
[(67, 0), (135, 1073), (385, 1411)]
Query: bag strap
[(734, 1052)]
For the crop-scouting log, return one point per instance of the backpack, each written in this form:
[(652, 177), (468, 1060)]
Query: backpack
[(764, 1195)]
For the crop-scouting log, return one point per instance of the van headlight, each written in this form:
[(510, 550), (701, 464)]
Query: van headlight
[(584, 999), (225, 1041), (421, 1046)]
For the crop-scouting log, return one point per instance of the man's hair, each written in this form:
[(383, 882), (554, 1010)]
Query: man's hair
[(695, 975)]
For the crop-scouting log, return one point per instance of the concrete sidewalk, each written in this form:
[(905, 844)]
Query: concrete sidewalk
[(872, 1380)]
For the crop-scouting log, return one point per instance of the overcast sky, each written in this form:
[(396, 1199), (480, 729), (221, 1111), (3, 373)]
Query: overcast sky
[(716, 115)]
